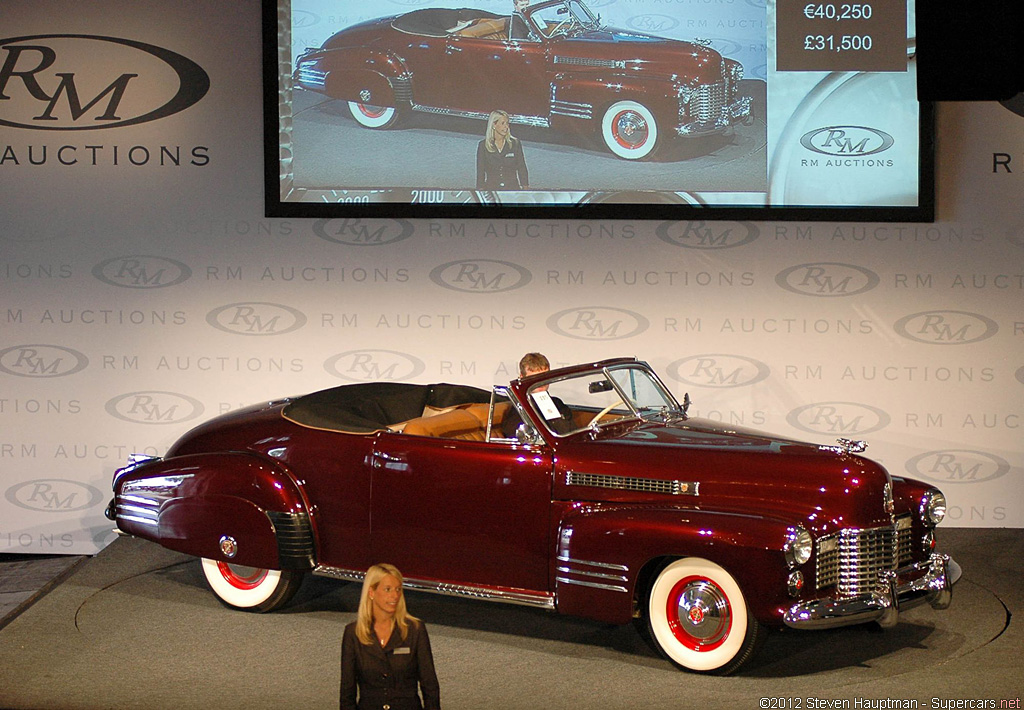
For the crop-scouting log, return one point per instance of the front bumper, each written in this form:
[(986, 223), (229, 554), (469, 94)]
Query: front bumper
[(897, 591)]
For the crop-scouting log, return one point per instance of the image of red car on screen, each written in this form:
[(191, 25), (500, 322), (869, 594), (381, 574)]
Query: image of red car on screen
[(549, 64)]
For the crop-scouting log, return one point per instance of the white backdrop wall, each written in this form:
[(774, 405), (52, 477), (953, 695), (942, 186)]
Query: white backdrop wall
[(143, 291)]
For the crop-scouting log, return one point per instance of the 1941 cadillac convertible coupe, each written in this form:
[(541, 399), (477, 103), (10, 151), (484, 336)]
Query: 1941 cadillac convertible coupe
[(559, 68), (627, 509)]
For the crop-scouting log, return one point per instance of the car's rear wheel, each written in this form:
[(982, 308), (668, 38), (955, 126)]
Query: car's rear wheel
[(629, 130), (698, 618), (251, 588), (370, 116)]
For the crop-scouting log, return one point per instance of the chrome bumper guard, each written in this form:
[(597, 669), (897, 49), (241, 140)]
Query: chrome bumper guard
[(883, 605)]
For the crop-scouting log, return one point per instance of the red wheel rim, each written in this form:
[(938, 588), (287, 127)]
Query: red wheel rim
[(630, 129), (371, 111), (699, 613), (238, 579)]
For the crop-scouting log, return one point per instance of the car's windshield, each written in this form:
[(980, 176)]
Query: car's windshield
[(594, 399), (565, 18)]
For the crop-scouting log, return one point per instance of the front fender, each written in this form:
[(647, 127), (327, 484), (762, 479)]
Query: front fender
[(606, 554), (575, 98), (235, 507)]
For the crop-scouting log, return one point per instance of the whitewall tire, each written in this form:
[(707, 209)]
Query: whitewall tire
[(698, 618), (629, 130), (373, 116), (251, 588)]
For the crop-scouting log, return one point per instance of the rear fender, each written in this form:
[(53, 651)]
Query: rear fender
[(366, 76), (606, 554), (233, 507)]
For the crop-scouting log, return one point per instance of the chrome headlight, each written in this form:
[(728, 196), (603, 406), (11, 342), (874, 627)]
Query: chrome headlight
[(933, 507), (799, 544)]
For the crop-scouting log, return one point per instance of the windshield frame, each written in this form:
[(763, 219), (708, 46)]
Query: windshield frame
[(671, 407), (590, 22)]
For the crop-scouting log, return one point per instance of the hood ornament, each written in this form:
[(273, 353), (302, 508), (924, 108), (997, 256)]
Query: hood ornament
[(846, 446)]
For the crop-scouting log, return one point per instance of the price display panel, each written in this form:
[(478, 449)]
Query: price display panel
[(834, 36)]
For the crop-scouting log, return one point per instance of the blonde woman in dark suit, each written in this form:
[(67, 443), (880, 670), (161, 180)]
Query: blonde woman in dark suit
[(386, 660), (500, 163)]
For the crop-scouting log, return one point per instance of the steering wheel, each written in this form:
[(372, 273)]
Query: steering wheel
[(604, 411), (553, 30)]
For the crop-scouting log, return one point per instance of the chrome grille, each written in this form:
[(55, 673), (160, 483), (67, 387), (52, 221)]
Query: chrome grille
[(706, 104), (853, 559)]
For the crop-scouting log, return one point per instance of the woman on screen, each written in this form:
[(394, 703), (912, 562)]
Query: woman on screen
[(500, 163)]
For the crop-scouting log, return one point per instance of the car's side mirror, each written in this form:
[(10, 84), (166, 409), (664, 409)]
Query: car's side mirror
[(527, 434)]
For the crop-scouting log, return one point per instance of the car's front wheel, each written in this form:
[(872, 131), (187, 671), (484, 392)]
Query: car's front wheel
[(698, 618), (629, 130), (251, 588), (373, 116)]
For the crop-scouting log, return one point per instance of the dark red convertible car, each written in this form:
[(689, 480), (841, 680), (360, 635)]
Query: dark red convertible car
[(561, 69), (608, 501)]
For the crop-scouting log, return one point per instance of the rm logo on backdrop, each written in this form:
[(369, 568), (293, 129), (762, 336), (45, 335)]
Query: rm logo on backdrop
[(374, 366), (481, 276), (597, 323), (72, 82), (53, 495)]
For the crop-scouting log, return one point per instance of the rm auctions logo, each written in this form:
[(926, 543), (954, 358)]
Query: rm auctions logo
[(847, 140), (154, 407), (362, 232), (73, 82), (41, 361), (142, 272), (375, 366), (696, 234), (304, 18), (946, 327), (597, 323), (53, 495), (958, 466), (652, 23), (719, 370), (838, 418), (827, 279), (481, 276), (256, 318)]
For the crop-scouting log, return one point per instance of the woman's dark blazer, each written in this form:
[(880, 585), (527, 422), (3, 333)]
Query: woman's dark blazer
[(390, 675)]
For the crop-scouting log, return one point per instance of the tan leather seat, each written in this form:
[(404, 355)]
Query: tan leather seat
[(468, 422), (496, 28)]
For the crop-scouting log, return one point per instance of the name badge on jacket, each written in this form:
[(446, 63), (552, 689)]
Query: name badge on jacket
[(403, 650)]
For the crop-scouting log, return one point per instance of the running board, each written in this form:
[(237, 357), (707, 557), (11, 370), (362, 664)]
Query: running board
[(508, 596)]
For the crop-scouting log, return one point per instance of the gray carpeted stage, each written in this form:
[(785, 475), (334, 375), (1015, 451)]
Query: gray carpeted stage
[(136, 627)]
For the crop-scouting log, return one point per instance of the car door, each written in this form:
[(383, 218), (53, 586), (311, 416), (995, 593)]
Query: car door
[(497, 74), (466, 512)]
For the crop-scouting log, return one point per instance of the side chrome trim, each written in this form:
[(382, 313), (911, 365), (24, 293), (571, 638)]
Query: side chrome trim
[(573, 566), (538, 121), (605, 565), (593, 585), (508, 596)]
